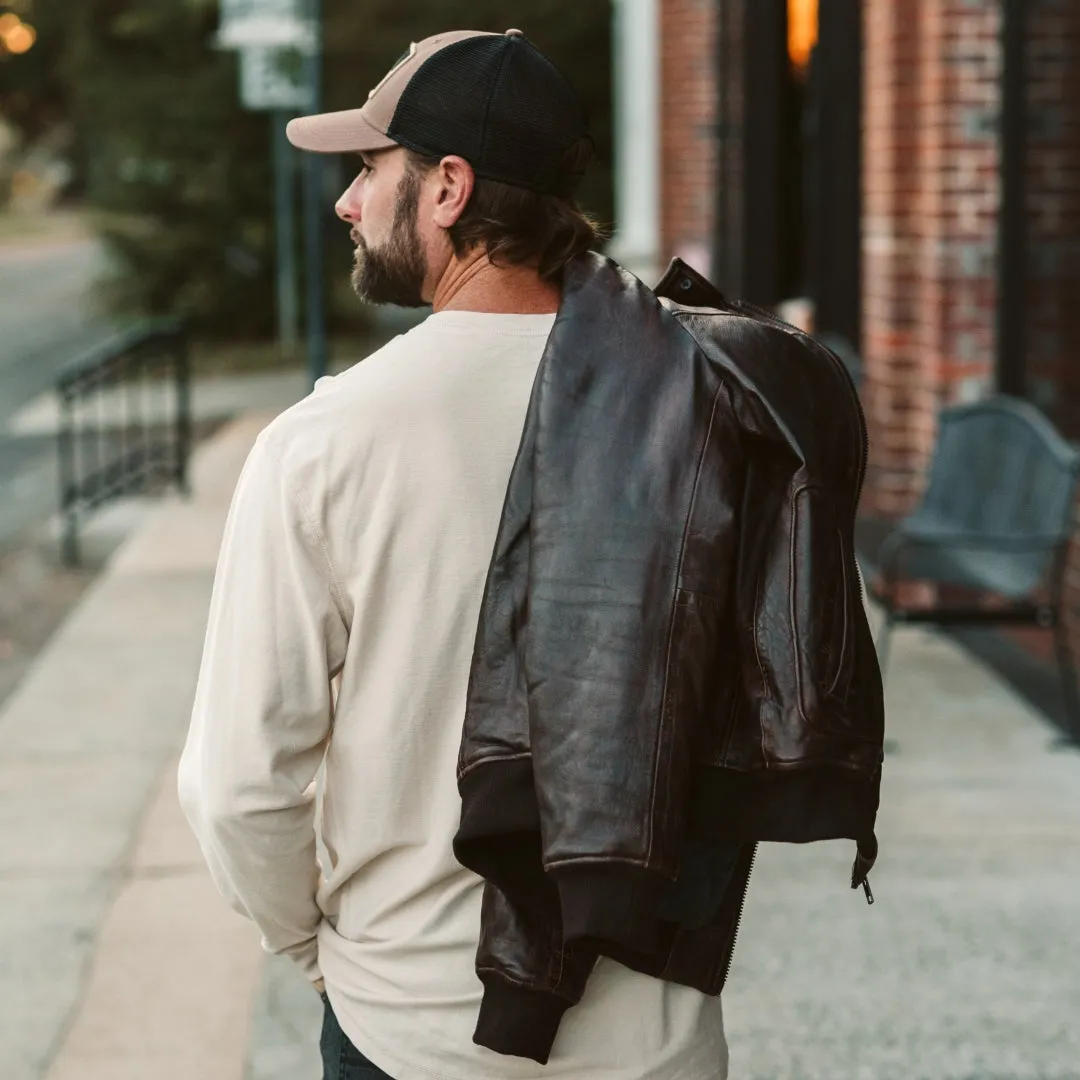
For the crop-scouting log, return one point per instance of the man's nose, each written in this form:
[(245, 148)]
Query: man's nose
[(348, 206), (345, 210)]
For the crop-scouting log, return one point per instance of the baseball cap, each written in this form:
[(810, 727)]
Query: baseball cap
[(493, 99)]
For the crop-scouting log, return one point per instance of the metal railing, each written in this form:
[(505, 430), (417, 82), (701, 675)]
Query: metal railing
[(125, 422)]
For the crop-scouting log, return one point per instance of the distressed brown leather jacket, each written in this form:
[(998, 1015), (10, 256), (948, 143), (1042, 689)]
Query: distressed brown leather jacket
[(672, 660)]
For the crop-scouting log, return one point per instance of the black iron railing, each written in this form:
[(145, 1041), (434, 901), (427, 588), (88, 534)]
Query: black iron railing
[(125, 422)]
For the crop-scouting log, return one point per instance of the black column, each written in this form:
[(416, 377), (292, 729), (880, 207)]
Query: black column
[(765, 101), (1012, 301), (834, 172), (728, 234)]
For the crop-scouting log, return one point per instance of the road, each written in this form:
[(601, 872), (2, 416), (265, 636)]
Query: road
[(47, 315)]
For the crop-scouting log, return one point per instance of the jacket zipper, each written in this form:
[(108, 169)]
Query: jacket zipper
[(859, 874), (738, 917)]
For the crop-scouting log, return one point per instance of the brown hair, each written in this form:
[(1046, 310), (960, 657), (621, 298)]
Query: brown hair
[(521, 227)]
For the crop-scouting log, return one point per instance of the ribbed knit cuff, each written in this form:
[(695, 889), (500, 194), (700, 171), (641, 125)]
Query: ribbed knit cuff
[(518, 1022), (614, 903)]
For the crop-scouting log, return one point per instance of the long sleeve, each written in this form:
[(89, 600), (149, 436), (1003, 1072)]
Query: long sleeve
[(263, 709)]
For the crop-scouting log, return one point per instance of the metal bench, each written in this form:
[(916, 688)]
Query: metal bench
[(996, 517)]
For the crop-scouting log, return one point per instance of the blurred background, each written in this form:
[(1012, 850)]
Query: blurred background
[(899, 177)]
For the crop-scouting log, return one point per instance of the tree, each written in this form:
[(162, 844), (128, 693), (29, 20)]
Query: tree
[(33, 92), (178, 172)]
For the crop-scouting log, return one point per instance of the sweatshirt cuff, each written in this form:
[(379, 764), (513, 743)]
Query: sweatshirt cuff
[(615, 903), (306, 957), (517, 1021)]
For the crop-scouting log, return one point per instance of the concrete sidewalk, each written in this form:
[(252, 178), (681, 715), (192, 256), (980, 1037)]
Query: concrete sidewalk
[(118, 960), (116, 957), (968, 965)]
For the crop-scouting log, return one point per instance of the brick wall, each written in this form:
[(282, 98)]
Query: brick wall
[(688, 148), (931, 100), (931, 191), (930, 187)]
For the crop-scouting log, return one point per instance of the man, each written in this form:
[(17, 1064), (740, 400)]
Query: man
[(355, 555)]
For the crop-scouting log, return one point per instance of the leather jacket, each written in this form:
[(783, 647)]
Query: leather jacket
[(672, 660)]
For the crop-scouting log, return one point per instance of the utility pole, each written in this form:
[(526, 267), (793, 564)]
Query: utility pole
[(278, 42)]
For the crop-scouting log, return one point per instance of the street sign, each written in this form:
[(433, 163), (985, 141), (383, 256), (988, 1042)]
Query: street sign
[(273, 78), (265, 24)]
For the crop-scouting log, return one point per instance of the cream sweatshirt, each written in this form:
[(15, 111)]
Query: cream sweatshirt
[(355, 554)]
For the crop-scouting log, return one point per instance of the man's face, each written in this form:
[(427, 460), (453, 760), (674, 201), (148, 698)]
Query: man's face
[(391, 265)]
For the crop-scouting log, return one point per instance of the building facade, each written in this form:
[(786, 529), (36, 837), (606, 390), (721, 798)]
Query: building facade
[(909, 170), (909, 167)]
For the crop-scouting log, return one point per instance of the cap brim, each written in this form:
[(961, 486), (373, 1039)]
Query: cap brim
[(337, 133)]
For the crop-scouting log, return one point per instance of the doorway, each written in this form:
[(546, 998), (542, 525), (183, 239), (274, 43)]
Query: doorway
[(789, 191)]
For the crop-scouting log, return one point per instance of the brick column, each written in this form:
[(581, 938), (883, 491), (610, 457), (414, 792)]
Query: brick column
[(932, 89), (688, 141)]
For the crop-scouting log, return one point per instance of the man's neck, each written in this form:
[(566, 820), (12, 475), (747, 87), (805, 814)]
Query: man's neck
[(475, 283)]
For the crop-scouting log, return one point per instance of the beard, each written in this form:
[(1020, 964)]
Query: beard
[(394, 272)]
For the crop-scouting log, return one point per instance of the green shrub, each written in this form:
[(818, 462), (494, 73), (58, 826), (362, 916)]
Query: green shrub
[(177, 172)]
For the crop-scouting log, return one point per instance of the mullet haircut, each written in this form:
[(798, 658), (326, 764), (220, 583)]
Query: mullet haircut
[(518, 227)]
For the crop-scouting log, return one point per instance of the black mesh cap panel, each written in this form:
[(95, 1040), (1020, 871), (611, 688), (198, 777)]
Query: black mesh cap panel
[(537, 120), (498, 102)]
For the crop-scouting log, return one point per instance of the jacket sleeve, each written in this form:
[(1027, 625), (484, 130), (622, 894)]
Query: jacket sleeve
[(530, 978)]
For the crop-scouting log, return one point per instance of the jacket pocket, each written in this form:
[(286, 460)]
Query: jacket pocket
[(821, 571)]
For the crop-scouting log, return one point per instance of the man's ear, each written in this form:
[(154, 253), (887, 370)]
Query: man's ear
[(454, 179)]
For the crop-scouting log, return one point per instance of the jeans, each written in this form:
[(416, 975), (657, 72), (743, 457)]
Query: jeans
[(341, 1060)]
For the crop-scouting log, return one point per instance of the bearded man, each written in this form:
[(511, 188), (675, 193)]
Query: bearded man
[(355, 555)]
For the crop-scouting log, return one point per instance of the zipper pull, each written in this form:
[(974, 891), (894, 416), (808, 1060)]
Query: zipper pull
[(860, 870)]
